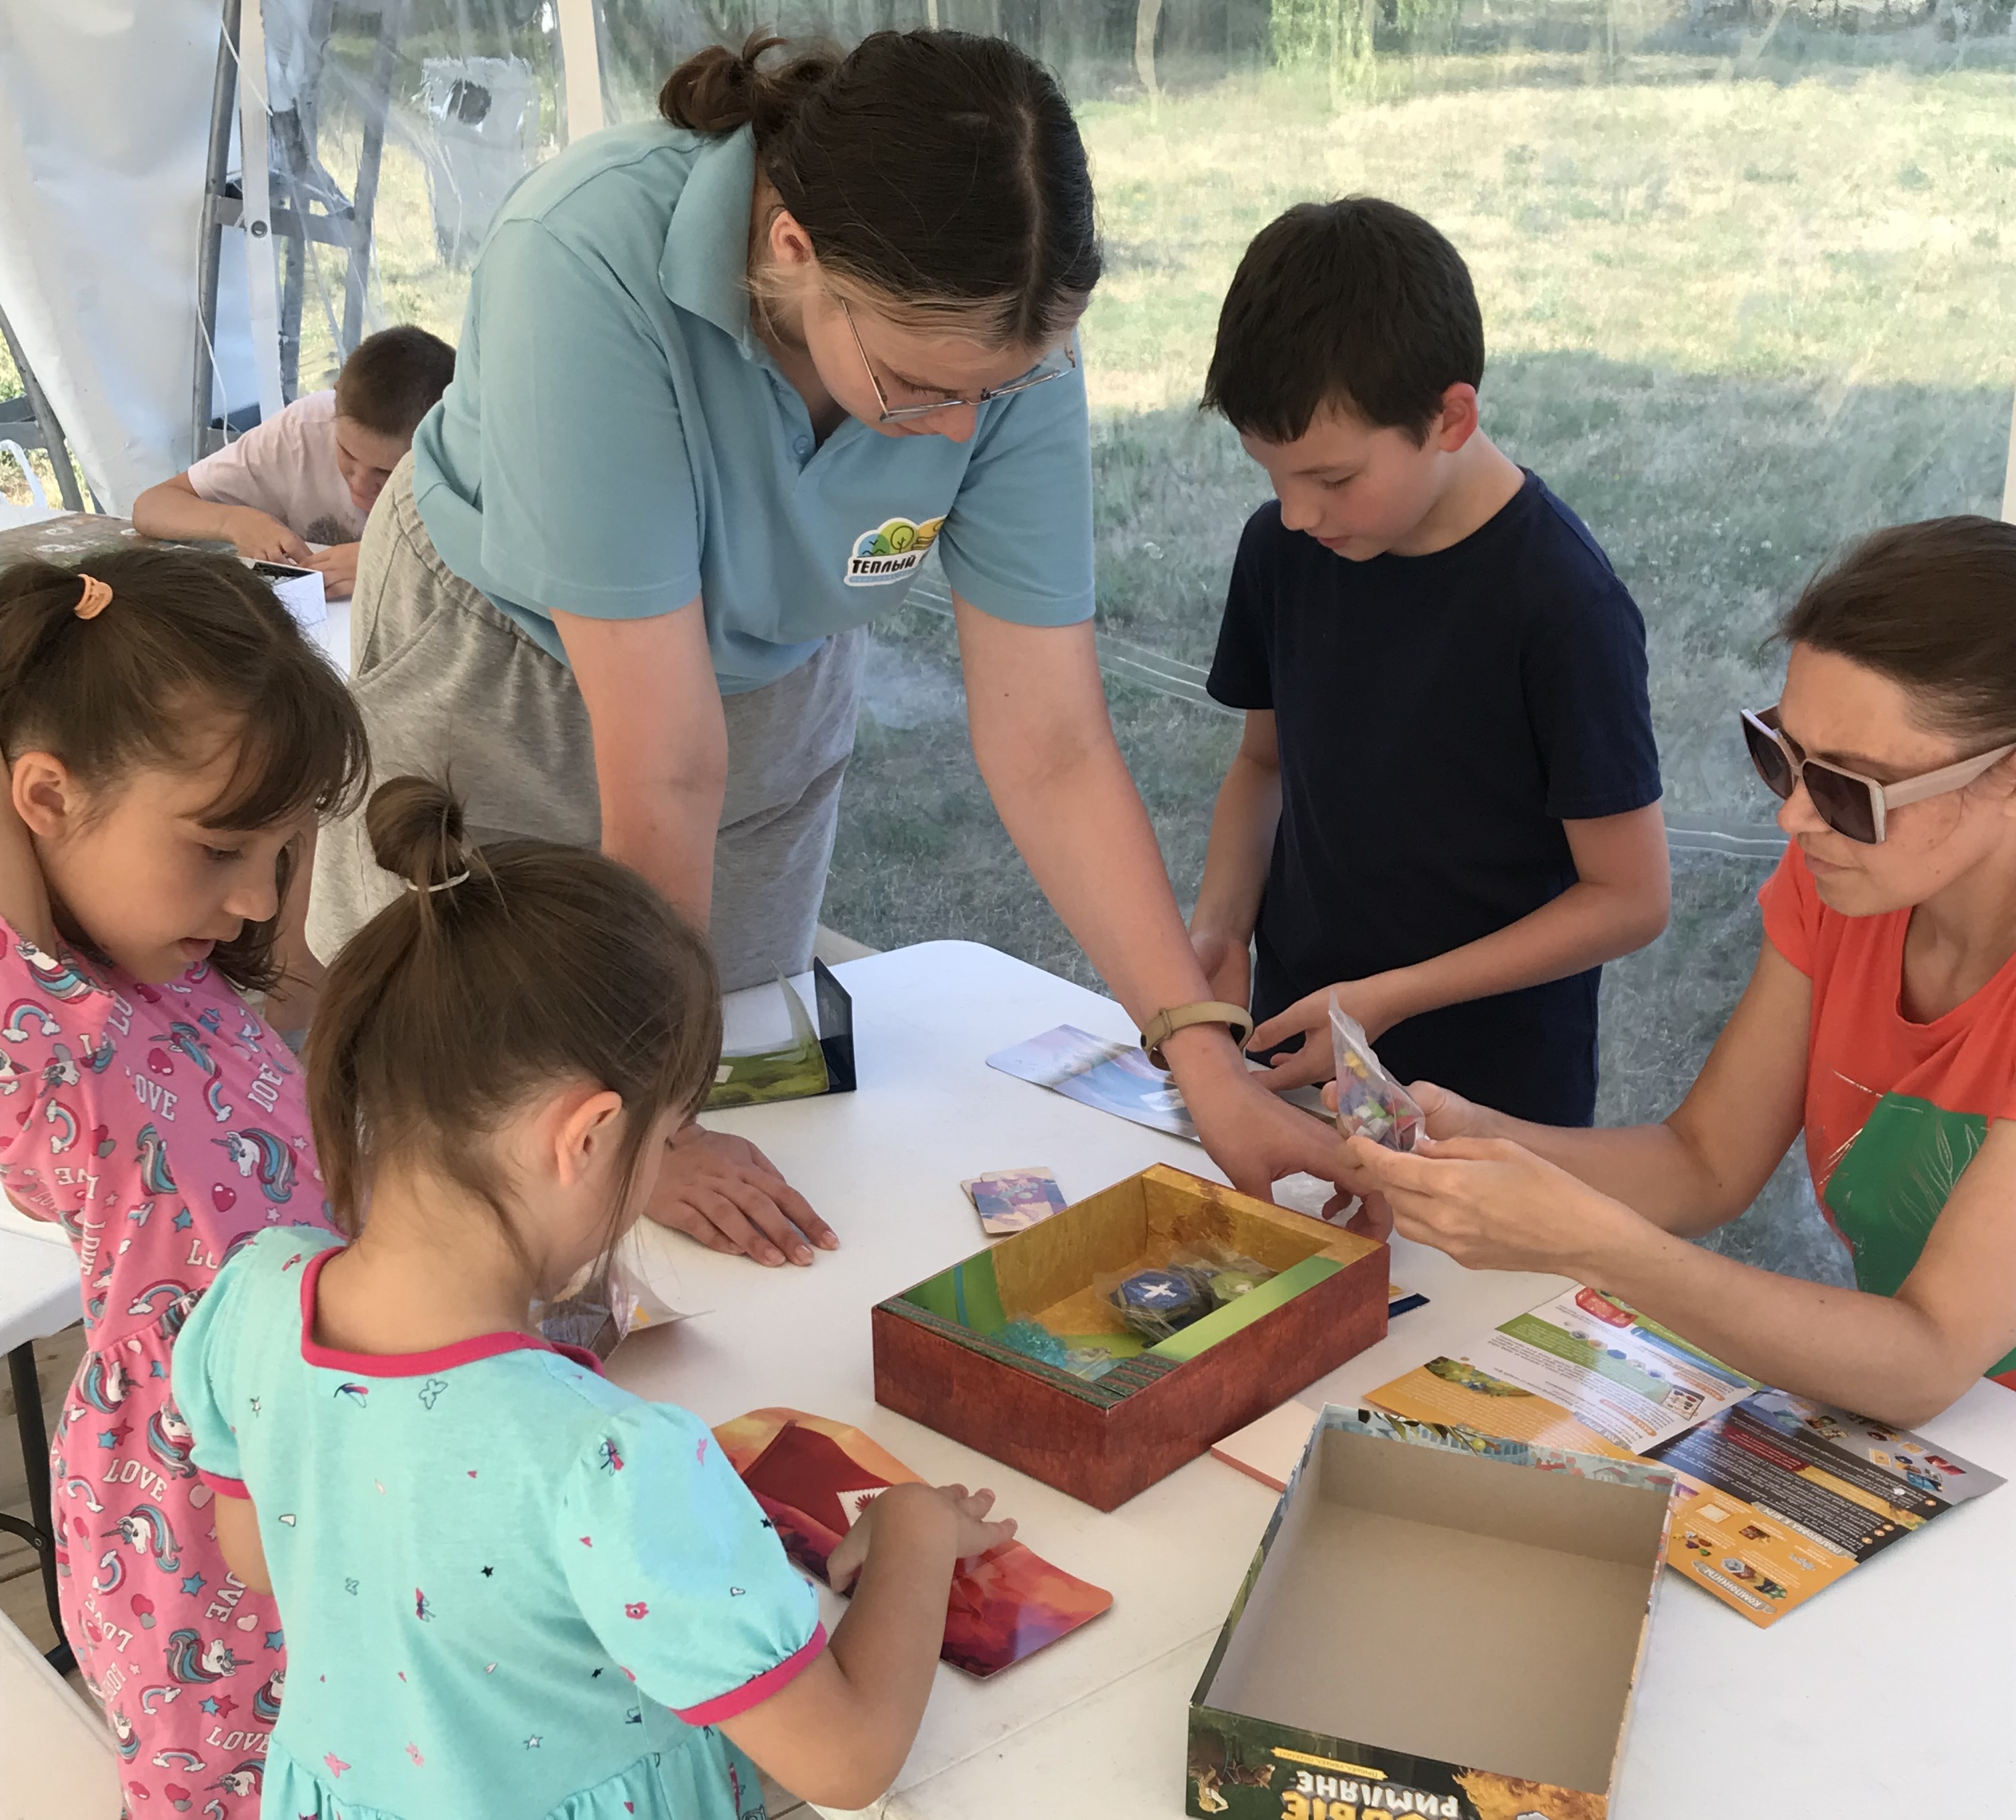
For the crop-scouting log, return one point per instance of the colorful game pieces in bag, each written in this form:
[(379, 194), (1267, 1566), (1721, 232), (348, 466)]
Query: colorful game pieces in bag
[(1369, 1101)]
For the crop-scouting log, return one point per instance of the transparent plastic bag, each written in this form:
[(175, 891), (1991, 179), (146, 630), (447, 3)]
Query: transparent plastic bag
[(1034, 1340), (1157, 1300), (1369, 1101), (596, 1313)]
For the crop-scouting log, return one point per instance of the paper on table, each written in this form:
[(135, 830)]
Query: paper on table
[(1778, 1497), (814, 1477), (1581, 1372), (300, 590), (1116, 1078), (1269, 1450)]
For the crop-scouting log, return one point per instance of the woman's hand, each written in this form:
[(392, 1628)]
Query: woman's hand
[(1491, 1205), (965, 1512), (1255, 1139), (727, 1193)]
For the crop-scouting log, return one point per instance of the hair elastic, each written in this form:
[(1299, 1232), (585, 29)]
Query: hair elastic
[(97, 596), (461, 878)]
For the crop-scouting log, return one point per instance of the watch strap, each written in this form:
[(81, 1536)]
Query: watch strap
[(1165, 1023)]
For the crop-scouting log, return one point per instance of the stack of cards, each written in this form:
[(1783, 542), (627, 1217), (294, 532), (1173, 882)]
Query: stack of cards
[(1012, 1200)]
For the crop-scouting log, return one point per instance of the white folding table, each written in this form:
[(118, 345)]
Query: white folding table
[(1890, 1685), (39, 1295)]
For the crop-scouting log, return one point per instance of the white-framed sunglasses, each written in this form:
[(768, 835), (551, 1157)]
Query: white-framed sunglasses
[(1849, 804), (1038, 375)]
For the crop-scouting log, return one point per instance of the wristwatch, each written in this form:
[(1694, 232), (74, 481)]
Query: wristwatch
[(1164, 1025)]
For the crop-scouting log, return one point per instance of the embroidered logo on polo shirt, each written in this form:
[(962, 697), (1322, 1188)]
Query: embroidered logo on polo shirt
[(892, 550)]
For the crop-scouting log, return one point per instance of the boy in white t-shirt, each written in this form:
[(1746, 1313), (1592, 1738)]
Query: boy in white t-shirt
[(310, 475)]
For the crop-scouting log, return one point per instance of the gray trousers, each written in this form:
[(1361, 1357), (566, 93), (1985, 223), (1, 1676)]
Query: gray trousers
[(450, 688)]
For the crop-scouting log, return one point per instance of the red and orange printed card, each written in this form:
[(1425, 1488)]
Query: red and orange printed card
[(814, 1478)]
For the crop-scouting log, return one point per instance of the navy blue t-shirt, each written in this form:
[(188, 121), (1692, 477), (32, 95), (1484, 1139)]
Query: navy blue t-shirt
[(1439, 717)]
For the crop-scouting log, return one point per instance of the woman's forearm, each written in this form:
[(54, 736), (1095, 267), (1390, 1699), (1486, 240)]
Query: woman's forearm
[(1879, 1355), (664, 829), (660, 745), (1079, 825)]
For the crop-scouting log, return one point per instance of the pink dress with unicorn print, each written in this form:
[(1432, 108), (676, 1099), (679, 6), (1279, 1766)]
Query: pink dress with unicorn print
[(164, 1127)]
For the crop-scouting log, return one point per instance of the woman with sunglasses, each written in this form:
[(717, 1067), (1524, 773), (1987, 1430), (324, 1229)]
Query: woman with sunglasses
[(725, 378), (1881, 1018)]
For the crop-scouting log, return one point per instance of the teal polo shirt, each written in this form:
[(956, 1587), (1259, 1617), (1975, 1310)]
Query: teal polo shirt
[(617, 440)]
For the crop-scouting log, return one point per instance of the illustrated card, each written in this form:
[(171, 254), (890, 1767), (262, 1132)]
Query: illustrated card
[(814, 1478), (1012, 1200)]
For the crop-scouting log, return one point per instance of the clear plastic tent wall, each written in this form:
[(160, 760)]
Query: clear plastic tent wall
[(1743, 269)]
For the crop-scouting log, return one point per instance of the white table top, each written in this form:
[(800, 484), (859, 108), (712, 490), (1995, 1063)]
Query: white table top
[(39, 1293), (1886, 1686)]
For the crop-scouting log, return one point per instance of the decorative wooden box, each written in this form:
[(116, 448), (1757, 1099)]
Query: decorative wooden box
[(937, 1361)]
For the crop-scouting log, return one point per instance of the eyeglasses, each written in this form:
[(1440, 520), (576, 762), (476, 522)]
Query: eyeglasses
[(1040, 376), (1847, 802)]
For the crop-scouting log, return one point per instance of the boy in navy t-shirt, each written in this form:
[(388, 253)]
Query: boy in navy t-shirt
[(1445, 804)]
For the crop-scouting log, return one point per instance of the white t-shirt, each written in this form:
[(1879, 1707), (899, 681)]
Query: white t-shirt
[(287, 469)]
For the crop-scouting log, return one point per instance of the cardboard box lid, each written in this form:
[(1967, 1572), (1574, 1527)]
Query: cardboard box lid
[(1418, 1592)]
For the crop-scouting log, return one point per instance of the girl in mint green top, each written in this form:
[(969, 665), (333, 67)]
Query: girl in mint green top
[(511, 1588)]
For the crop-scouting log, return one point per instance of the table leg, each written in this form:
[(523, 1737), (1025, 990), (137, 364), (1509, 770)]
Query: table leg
[(39, 1532)]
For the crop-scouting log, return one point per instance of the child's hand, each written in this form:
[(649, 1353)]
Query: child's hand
[(264, 539), (1227, 965), (338, 564), (1371, 1001), (890, 1519)]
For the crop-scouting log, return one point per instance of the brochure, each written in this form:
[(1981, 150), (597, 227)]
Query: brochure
[(1581, 1372), (1115, 1076), (1775, 1497), (1778, 1497)]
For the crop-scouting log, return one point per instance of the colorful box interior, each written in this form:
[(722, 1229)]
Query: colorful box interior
[(1051, 1273)]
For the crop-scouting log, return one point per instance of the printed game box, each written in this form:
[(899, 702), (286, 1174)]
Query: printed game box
[(1436, 1623), (939, 1358)]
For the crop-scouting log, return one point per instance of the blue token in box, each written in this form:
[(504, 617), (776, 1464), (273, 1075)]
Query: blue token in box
[(1157, 1303)]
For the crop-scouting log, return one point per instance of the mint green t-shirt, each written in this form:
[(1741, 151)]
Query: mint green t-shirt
[(509, 1587), (617, 440)]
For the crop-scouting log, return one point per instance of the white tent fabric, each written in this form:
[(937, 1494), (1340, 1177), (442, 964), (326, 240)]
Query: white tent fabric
[(104, 118)]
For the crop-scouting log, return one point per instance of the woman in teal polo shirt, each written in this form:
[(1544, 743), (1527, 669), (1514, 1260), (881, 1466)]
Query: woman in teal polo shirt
[(725, 380)]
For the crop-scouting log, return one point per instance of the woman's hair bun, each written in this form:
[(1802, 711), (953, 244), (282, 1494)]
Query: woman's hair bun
[(718, 90), (417, 830)]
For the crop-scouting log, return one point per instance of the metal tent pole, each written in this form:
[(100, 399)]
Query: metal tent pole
[(364, 201), (210, 245)]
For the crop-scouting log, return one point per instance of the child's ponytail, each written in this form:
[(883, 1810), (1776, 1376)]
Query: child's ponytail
[(498, 973)]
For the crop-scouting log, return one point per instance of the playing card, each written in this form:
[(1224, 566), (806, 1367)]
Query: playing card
[(1012, 1200)]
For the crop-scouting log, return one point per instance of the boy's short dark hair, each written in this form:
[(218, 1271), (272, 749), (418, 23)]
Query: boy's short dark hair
[(393, 379), (1357, 305)]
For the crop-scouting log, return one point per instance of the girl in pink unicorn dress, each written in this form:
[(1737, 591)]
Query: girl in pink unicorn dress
[(170, 737)]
